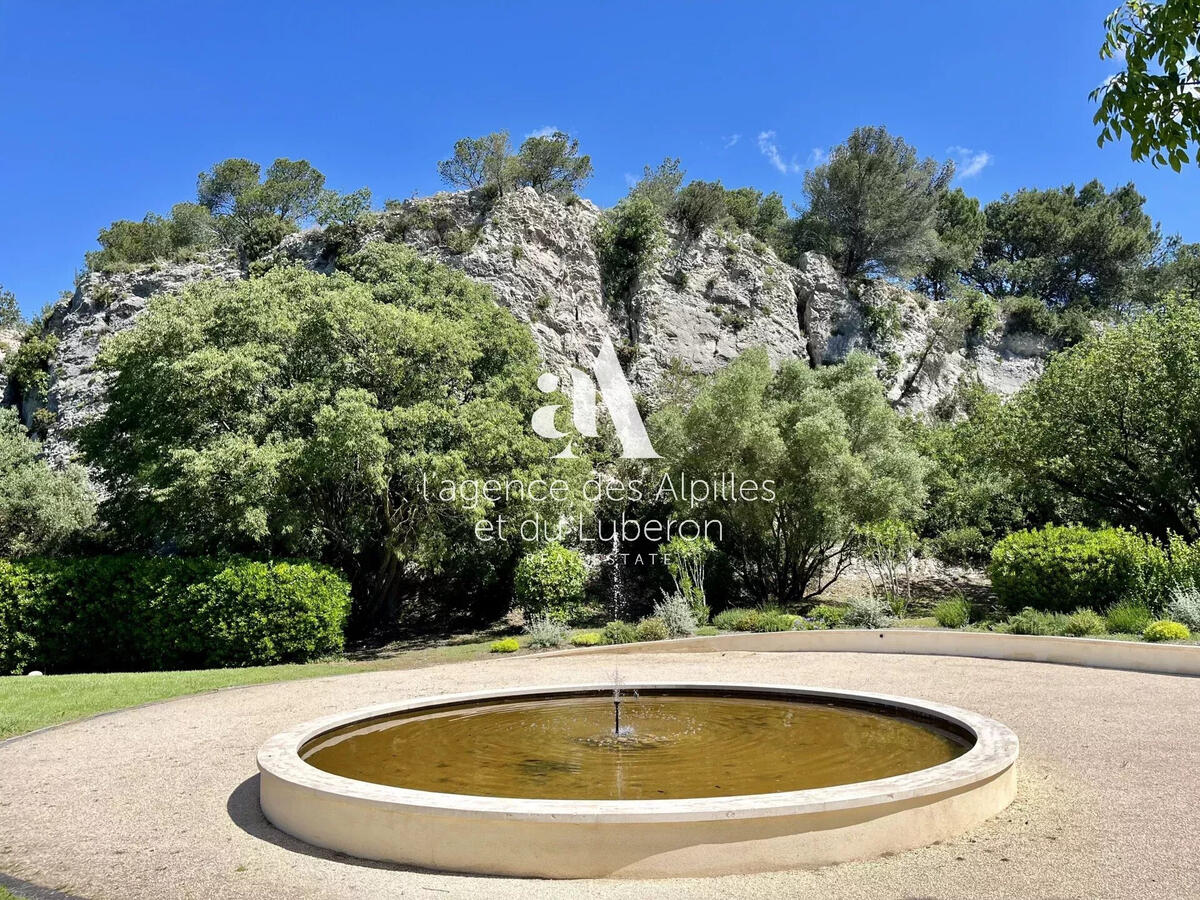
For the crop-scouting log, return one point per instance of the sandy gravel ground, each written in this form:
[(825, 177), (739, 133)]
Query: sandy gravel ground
[(161, 802)]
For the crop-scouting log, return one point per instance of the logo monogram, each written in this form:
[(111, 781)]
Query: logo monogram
[(616, 395)]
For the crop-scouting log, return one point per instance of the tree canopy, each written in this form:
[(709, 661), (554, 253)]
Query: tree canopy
[(303, 414), (1113, 425), (41, 510), (1067, 246), (874, 203), (825, 438)]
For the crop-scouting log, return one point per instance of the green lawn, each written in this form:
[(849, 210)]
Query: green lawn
[(30, 703), (6, 894)]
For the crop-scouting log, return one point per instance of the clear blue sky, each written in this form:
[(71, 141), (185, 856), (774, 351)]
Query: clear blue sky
[(109, 110)]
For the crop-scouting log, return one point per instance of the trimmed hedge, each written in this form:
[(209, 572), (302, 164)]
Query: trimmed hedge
[(131, 613), (1060, 569)]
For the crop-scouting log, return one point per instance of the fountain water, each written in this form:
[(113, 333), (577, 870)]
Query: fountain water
[(774, 775)]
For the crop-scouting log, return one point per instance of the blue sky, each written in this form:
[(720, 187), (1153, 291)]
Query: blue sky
[(109, 110)]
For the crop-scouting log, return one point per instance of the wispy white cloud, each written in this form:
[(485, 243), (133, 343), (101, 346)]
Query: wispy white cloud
[(731, 140), (630, 179), (818, 156), (769, 149), (544, 131), (969, 163)]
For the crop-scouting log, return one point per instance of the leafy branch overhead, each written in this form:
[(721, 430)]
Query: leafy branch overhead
[(1155, 100)]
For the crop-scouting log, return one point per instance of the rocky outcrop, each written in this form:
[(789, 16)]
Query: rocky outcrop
[(707, 299), (102, 304)]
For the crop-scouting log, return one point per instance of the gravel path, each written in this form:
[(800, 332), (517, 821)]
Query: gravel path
[(161, 802)]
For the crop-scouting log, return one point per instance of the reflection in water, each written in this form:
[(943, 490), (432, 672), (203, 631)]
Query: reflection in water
[(674, 746)]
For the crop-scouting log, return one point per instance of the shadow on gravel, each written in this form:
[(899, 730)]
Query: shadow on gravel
[(247, 815)]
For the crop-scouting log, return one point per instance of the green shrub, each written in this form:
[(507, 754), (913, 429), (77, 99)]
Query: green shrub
[(1085, 623), (550, 581), (1027, 314), (964, 545), (1032, 621), (1128, 617), (652, 629), (953, 613), (130, 613), (677, 614), (265, 613), (707, 631), (867, 612), (734, 619), (545, 631), (770, 620), (619, 632), (1163, 630), (504, 645), (829, 616), (1184, 606), (1063, 568), (586, 639)]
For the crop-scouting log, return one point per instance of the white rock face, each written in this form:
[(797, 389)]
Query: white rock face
[(707, 300), (101, 305)]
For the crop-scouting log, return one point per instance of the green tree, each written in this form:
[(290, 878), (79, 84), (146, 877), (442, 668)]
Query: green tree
[(479, 163), (334, 208), (125, 242), (552, 165), (309, 415), (960, 225), (249, 210), (1067, 247), (974, 497), (10, 312), (824, 443), (700, 205), (875, 202), (1112, 424), (1156, 98), (1180, 273), (660, 185), (628, 240), (41, 509)]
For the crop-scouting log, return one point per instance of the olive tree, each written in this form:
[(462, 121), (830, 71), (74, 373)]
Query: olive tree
[(827, 456)]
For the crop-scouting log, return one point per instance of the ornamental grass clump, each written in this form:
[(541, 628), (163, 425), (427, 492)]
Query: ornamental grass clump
[(1033, 621), (953, 613), (1128, 617)]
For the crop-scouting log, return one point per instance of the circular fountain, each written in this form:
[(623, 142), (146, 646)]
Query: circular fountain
[(647, 780)]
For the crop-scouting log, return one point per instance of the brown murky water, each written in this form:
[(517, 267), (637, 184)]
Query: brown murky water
[(674, 746)]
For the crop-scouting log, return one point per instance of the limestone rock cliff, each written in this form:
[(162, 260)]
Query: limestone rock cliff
[(708, 299)]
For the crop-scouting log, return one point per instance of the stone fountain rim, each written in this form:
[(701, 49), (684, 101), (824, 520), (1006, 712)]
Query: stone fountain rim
[(995, 750)]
